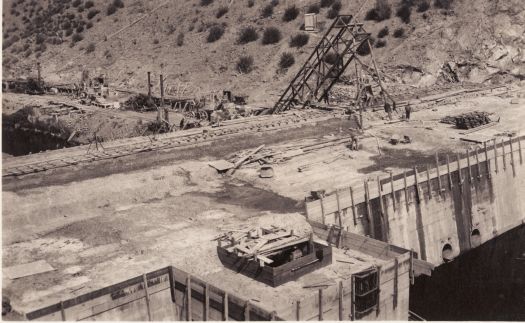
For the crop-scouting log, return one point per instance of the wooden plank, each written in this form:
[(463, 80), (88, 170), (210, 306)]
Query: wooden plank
[(320, 304), (487, 161), (503, 153), (396, 274), (225, 309), (440, 188), (298, 310), (393, 191), (470, 179), (29, 269), (322, 210), (247, 311), (459, 172), (341, 309), (352, 298), (206, 303), (148, 305), (406, 189), (368, 211), (477, 163), (495, 156), (188, 298), (354, 215), (62, 311), (519, 149), (429, 186), (512, 159), (416, 184)]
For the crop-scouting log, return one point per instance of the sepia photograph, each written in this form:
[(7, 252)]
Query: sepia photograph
[(261, 160)]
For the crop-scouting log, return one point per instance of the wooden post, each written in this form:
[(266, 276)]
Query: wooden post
[(161, 90), (519, 148), (487, 161), (450, 183), (396, 281), (503, 153), (512, 159), (353, 205), (382, 212), (206, 303), (298, 310), (411, 272), (320, 304), (149, 84), (341, 310), (459, 172), (429, 185), (225, 309), (172, 289), (188, 298), (469, 168), (418, 193), (63, 311), (406, 189), (378, 308), (477, 162), (145, 283), (247, 311), (368, 211), (352, 298), (322, 211), (340, 216), (393, 192), (440, 188), (495, 156)]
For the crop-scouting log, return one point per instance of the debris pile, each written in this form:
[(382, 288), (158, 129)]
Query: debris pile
[(259, 244), (139, 102)]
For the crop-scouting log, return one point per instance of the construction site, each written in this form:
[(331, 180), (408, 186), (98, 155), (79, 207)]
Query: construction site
[(170, 163)]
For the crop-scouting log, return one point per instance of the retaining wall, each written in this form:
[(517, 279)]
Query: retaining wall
[(436, 210)]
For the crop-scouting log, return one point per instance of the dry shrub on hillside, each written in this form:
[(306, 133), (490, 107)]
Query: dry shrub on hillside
[(206, 2), (364, 49), (247, 34), (380, 12), (90, 48), (267, 11), (250, 3), (399, 32), (380, 43), (221, 12), (404, 12), (326, 3), (443, 4), (290, 13), (383, 32), (423, 6), (313, 8), (92, 13), (245, 64), (286, 61), (271, 35), (299, 40), (215, 33)]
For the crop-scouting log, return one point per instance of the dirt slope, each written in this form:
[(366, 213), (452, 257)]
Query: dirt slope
[(474, 40)]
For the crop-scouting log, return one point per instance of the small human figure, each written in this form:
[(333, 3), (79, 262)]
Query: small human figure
[(408, 110), (354, 144), (394, 107), (388, 110)]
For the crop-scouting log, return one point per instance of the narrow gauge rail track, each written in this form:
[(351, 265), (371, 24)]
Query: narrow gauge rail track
[(40, 162)]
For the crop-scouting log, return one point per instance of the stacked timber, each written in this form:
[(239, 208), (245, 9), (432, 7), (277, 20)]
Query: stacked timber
[(468, 120)]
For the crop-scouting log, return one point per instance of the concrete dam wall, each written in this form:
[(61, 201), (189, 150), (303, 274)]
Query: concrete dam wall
[(440, 211)]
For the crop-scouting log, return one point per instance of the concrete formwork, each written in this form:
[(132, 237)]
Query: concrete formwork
[(437, 211)]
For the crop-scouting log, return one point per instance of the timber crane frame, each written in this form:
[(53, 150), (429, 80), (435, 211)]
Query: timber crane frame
[(317, 76)]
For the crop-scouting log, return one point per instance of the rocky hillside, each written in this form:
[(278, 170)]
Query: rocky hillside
[(197, 44)]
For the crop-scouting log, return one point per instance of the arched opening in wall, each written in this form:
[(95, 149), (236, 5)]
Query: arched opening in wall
[(446, 252), (475, 238)]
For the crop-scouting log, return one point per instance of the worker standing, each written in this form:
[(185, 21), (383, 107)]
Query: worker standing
[(388, 110), (408, 110)]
